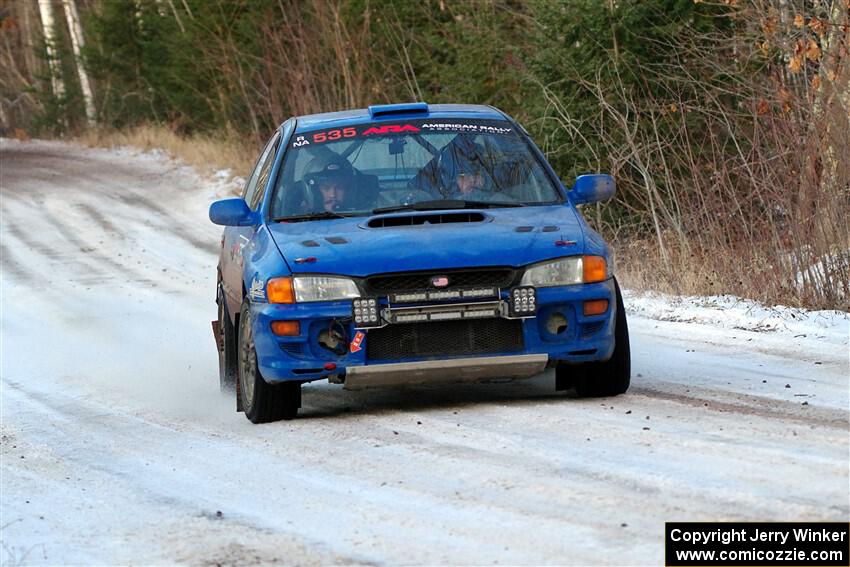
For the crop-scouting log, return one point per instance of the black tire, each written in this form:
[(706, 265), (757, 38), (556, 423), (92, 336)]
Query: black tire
[(227, 347), (609, 378), (261, 401)]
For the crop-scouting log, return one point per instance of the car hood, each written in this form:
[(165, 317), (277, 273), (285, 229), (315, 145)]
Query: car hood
[(505, 237)]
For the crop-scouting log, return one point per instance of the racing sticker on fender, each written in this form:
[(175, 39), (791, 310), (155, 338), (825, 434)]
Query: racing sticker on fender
[(256, 291), (357, 341)]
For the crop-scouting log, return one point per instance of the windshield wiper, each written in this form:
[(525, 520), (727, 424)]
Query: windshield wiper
[(446, 204), (312, 216), (490, 204)]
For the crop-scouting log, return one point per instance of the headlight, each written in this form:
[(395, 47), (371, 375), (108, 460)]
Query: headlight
[(323, 288), (566, 271)]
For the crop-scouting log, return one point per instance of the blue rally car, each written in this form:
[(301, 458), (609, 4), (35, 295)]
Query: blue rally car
[(410, 244)]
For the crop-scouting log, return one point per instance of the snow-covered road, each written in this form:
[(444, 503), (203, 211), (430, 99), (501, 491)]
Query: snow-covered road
[(118, 448)]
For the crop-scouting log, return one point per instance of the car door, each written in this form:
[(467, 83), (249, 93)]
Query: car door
[(237, 238)]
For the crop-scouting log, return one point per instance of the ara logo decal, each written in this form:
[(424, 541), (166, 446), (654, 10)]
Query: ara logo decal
[(391, 129), (440, 281), (356, 341), (256, 291)]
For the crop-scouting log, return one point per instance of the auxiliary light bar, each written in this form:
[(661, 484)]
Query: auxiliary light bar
[(444, 294), (443, 312)]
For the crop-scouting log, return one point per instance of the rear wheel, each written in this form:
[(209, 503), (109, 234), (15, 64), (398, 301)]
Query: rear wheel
[(609, 378), (261, 401)]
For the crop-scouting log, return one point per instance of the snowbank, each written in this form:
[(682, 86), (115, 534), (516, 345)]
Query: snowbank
[(730, 312)]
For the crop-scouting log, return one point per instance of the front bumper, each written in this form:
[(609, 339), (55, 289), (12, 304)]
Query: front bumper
[(584, 339)]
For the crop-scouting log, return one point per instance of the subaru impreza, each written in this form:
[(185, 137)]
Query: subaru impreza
[(412, 244)]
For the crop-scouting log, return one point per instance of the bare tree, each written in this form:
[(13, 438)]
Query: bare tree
[(46, 9), (76, 30)]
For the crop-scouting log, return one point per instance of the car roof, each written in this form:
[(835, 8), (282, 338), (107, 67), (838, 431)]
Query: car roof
[(408, 111)]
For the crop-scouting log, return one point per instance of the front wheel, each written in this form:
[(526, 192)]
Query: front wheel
[(261, 401), (609, 378)]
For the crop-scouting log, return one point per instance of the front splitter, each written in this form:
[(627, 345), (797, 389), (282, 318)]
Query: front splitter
[(445, 371)]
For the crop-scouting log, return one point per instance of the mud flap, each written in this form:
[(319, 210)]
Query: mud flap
[(568, 375), (563, 382), (219, 338), (219, 344)]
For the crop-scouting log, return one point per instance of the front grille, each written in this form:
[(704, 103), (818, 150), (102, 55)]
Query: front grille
[(444, 338), (388, 283)]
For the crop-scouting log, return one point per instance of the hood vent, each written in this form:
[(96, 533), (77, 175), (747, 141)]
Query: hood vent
[(436, 218)]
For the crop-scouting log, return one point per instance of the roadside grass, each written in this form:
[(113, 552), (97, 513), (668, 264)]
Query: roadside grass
[(797, 276), (207, 153)]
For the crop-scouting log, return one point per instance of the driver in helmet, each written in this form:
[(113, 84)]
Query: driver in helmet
[(330, 180)]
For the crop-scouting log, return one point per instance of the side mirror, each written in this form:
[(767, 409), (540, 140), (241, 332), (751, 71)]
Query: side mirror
[(232, 212), (592, 188)]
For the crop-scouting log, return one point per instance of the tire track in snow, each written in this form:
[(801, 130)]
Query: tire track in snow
[(131, 437), (14, 267), (111, 231), (751, 405), (91, 441), (55, 254), (160, 213), (101, 264)]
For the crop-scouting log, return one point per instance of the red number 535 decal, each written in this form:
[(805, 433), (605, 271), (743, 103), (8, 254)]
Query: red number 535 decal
[(331, 135)]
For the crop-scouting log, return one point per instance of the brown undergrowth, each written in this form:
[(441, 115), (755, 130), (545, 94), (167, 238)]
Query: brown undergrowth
[(733, 162), (205, 152)]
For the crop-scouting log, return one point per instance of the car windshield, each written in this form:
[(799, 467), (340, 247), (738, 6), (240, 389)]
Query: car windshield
[(413, 164)]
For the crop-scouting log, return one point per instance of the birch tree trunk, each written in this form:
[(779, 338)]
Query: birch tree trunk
[(77, 44), (45, 7)]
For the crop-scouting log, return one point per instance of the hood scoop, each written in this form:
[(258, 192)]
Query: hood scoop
[(420, 219)]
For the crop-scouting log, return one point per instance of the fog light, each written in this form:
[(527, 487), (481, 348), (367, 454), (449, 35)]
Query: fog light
[(595, 307), (523, 302), (556, 324), (366, 312), (286, 328)]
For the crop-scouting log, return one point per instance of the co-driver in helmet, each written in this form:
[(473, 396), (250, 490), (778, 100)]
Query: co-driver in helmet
[(462, 169)]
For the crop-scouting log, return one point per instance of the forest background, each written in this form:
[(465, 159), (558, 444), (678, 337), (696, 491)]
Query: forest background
[(725, 123)]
